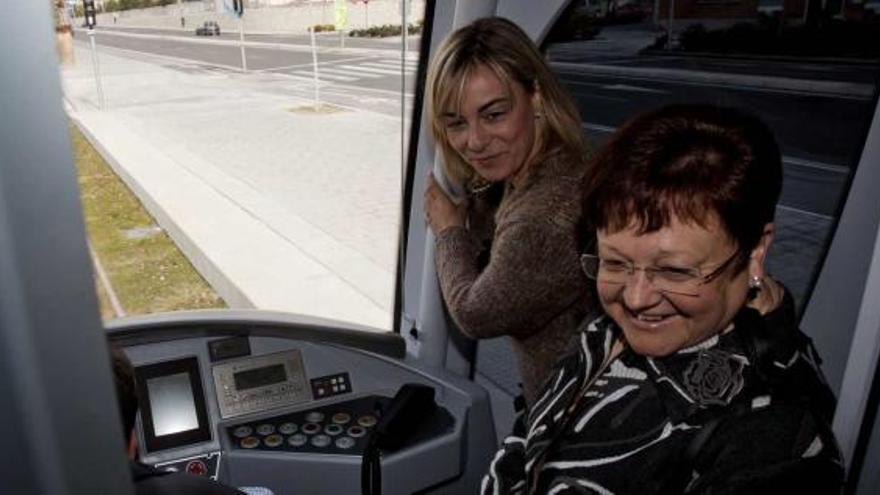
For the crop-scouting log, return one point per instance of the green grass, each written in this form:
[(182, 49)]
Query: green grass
[(148, 274)]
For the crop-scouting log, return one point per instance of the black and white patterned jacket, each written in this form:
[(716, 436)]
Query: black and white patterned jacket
[(756, 392)]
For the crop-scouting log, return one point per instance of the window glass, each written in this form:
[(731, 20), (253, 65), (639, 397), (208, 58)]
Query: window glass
[(812, 75), (241, 159)]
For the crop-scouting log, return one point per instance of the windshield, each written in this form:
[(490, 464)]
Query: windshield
[(241, 157)]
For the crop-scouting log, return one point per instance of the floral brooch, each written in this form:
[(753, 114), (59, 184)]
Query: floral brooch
[(714, 377)]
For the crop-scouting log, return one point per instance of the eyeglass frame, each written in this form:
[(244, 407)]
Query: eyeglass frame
[(651, 271)]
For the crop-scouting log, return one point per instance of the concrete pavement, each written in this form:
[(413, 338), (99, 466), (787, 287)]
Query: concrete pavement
[(279, 207)]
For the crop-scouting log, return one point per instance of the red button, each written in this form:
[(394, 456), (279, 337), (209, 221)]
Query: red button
[(197, 468)]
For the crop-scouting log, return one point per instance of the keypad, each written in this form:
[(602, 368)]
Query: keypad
[(335, 429)]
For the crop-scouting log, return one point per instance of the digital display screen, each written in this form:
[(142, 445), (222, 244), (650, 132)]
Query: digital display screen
[(259, 377), (172, 403)]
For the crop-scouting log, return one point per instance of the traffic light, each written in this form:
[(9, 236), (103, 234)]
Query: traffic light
[(89, 12), (238, 7)]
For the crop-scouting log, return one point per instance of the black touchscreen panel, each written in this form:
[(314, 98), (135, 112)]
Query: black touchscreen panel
[(172, 401)]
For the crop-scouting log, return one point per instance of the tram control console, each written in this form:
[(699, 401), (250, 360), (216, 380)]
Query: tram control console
[(299, 416)]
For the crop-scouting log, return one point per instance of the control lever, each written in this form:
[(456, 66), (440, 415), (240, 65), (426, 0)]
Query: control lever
[(412, 404)]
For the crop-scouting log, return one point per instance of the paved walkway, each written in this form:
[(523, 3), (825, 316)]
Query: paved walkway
[(279, 207)]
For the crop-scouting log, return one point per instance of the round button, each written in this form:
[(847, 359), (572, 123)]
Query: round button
[(197, 467), (357, 431), (266, 429), (297, 440), (345, 442), (311, 428), (273, 440), (315, 417), (242, 431), (367, 420), (333, 429), (341, 418), (320, 440), (287, 428), (250, 442)]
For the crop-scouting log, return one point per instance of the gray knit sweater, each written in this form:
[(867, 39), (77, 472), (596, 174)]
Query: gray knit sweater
[(532, 288)]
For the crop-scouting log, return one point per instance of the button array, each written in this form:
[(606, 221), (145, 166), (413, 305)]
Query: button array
[(330, 385), (340, 428)]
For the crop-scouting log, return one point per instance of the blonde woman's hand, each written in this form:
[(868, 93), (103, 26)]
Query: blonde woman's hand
[(440, 212)]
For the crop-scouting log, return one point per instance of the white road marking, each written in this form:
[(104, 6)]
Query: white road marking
[(347, 73), (638, 89), (370, 69), (322, 75)]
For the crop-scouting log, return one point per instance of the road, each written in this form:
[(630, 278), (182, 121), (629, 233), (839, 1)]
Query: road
[(820, 134), (325, 39)]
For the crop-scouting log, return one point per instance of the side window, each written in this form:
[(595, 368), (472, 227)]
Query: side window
[(811, 75), (810, 71)]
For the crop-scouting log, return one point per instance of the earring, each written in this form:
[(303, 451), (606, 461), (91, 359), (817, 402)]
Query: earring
[(539, 115), (756, 283)]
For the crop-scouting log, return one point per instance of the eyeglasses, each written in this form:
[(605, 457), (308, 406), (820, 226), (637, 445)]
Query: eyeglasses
[(676, 280)]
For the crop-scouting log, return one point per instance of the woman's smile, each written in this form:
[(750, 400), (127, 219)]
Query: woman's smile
[(650, 321), (484, 161)]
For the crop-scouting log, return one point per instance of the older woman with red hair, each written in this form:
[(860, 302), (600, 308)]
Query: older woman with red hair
[(694, 381)]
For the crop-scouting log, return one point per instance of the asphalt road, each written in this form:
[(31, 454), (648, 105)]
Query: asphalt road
[(820, 135), (368, 68), (324, 39)]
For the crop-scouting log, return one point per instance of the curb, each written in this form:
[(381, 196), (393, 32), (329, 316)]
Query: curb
[(212, 273)]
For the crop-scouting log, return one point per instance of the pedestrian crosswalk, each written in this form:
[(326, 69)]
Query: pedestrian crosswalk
[(348, 72)]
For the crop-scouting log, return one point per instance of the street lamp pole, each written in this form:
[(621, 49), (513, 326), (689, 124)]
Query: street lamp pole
[(403, 29)]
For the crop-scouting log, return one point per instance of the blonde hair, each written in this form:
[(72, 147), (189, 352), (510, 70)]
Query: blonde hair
[(507, 51)]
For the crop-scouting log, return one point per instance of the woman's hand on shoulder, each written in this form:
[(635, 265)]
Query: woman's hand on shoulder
[(440, 212)]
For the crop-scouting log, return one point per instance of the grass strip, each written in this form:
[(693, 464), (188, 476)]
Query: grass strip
[(147, 271)]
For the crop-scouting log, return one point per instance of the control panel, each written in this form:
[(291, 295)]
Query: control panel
[(257, 404), (260, 383)]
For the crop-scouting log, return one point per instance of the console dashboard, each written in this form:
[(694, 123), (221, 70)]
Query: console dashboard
[(289, 404)]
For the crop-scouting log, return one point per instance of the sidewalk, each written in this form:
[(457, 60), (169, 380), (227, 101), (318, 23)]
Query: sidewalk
[(278, 209)]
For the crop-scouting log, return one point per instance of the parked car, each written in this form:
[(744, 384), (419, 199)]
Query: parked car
[(209, 28)]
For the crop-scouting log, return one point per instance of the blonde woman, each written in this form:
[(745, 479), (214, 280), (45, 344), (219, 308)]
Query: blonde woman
[(507, 256)]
